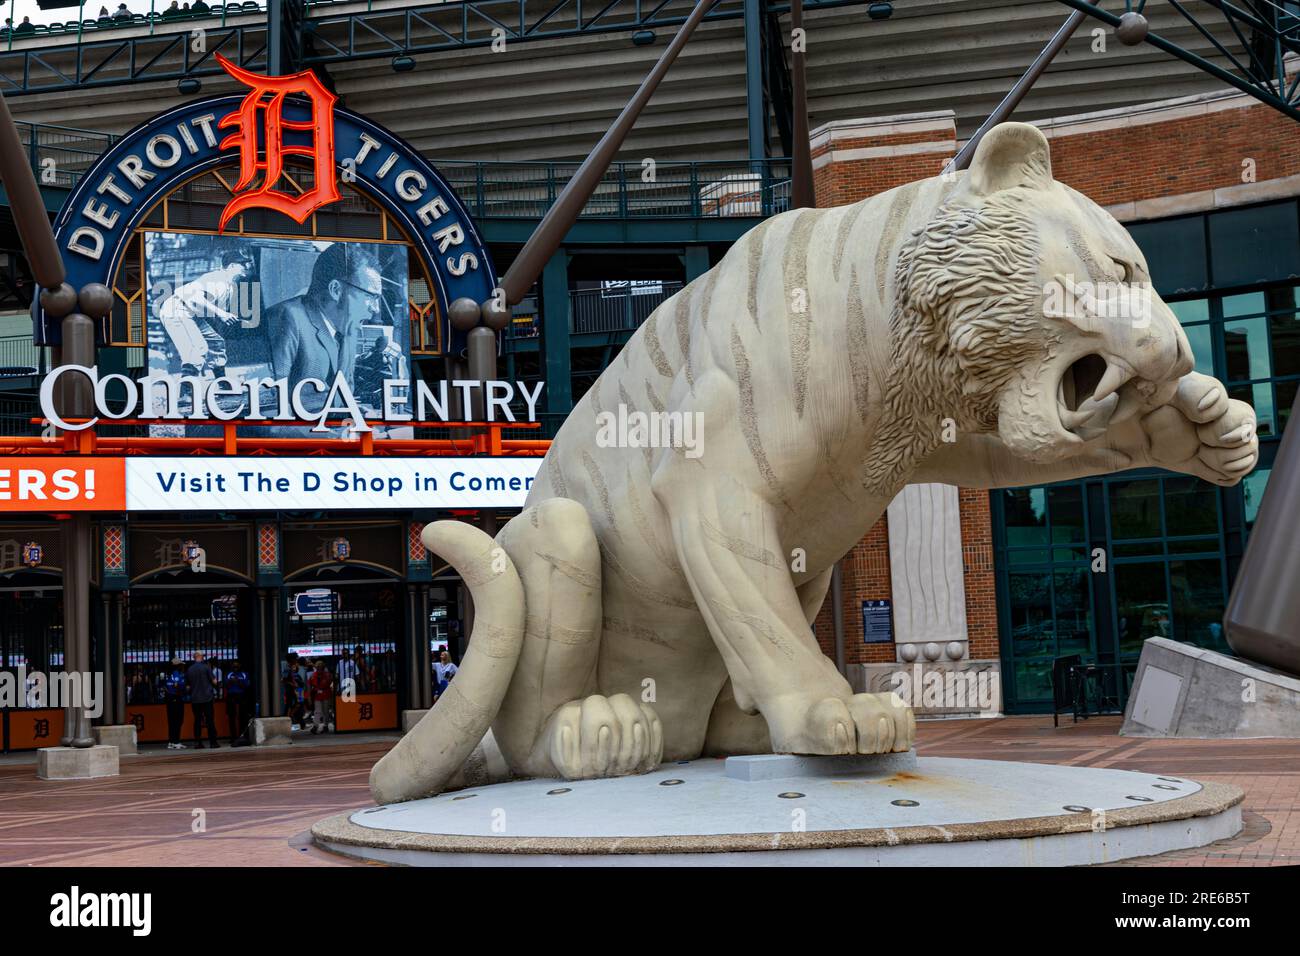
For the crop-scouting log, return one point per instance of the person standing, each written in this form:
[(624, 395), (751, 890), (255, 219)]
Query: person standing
[(346, 672), (218, 681), (363, 672), (443, 672), (173, 688), (315, 334), (189, 313), (292, 685), (202, 693), (239, 689), (320, 686)]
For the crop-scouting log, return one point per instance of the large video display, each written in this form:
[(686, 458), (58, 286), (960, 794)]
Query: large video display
[(248, 309)]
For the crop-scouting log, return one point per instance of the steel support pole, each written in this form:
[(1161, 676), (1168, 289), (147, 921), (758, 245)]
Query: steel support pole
[(755, 102), (263, 662), (482, 361), (426, 655), (802, 193), (564, 212), (1017, 92), (27, 206)]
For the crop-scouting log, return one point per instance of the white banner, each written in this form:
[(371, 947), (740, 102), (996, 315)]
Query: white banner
[(266, 484)]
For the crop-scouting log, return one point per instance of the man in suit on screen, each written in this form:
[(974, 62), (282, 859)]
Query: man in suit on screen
[(315, 335)]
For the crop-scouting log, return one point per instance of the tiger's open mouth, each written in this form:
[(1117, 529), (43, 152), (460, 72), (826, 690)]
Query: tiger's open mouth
[(1088, 394)]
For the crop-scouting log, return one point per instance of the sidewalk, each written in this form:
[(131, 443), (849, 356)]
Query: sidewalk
[(256, 804)]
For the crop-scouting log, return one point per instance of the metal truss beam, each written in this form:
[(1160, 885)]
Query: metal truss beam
[(162, 56), (1263, 32), (464, 24), (334, 38)]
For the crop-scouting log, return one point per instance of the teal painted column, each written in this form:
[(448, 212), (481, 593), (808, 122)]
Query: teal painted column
[(697, 262), (755, 102), (556, 364)]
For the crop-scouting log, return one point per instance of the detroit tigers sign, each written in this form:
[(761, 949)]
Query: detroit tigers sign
[(279, 122)]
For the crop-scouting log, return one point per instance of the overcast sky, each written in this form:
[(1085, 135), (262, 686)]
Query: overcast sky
[(28, 8)]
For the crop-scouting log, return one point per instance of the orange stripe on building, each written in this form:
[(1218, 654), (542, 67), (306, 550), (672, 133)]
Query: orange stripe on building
[(62, 484)]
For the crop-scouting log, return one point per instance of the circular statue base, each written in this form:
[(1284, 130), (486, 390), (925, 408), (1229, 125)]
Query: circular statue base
[(891, 810)]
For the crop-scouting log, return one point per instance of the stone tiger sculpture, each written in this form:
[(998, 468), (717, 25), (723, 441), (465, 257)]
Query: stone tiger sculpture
[(826, 354)]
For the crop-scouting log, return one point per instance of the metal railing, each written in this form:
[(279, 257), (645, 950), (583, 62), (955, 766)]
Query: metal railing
[(752, 188), (18, 356), (60, 155), (74, 30), (617, 309), (16, 416)]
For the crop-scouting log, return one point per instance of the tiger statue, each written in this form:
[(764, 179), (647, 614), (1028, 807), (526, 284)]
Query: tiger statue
[(655, 603)]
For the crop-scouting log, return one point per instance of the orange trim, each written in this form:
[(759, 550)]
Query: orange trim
[(64, 484), (413, 447)]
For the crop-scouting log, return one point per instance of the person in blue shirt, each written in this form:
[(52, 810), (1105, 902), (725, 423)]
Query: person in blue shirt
[(175, 689), (239, 701)]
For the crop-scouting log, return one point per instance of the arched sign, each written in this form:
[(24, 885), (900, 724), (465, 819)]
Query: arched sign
[(299, 120)]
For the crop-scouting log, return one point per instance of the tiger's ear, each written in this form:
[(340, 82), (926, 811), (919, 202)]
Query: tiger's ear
[(1010, 155)]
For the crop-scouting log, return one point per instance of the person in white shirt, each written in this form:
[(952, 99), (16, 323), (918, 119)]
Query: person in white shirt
[(443, 671)]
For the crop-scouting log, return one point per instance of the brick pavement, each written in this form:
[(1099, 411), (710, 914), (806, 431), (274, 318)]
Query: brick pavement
[(258, 804)]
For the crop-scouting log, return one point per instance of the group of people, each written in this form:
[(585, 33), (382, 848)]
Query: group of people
[(176, 9), (201, 685), (309, 687)]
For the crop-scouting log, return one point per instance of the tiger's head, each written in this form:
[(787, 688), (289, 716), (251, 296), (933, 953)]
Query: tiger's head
[(1032, 307)]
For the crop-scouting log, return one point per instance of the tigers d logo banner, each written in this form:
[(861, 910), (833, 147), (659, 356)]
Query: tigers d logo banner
[(260, 120)]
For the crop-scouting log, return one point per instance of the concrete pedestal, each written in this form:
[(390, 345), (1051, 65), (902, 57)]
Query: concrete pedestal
[(270, 731), (935, 688), (893, 810), (410, 718), (1185, 691), (121, 736), (786, 766), (76, 763)]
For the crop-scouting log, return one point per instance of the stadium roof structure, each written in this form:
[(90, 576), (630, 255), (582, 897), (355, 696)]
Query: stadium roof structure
[(727, 98)]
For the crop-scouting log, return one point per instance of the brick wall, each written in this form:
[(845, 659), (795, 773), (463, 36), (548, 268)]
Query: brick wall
[(1177, 149), (856, 159), (866, 578)]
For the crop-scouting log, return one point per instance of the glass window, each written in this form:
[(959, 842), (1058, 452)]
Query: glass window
[(1252, 490), (1191, 310), (1260, 398), (1200, 339), (1145, 549), (1031, 556), (1073, 612), (1033, 680), (1142, 605), (1286, 395), (1066, 508), (1285, 331), (1026, 516), (1260, 244), (1248, 303), (1032, 631), (1194, 546), (1198, 599), (1175, 252), (1191, 507), (1246, 347), (1135, 508)]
